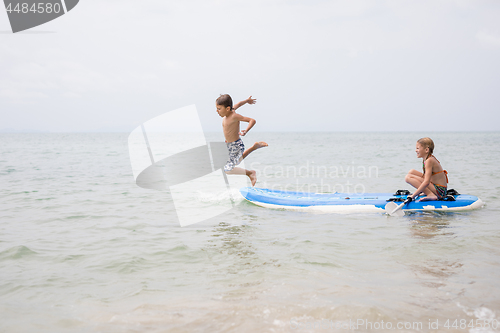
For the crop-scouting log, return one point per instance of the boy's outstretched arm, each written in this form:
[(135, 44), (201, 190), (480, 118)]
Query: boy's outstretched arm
[(249, 100), (251, 122)]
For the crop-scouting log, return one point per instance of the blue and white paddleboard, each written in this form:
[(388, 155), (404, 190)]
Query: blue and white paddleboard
[(348, 203)]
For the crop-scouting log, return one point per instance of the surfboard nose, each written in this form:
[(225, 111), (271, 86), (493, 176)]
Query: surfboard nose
[(245, 192)]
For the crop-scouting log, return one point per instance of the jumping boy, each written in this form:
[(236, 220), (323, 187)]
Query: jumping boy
[(231, 127)]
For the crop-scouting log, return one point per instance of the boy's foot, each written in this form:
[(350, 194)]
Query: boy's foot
[(259, 144), (253, 177), (255, 146)]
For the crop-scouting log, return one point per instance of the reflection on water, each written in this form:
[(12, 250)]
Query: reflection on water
[(232, 254), (438, 261), (428, 225)]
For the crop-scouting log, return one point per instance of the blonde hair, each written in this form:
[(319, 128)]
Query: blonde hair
[(427, 143)]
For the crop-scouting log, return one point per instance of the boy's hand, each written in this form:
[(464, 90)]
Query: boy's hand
[(243, 132), (251, 100)]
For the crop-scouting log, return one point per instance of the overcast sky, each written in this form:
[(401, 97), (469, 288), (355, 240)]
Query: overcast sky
[(313, 65)]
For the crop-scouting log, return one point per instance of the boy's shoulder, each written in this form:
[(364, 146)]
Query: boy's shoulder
[(234, 116)]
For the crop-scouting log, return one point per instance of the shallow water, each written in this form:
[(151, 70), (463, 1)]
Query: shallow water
[(83, 249)]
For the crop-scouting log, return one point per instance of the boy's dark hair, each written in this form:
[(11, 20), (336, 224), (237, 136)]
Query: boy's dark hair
[(225, 100)]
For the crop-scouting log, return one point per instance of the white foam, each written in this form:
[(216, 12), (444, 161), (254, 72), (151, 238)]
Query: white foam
[(484, 315)]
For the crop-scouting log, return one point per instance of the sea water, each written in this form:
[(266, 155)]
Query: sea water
[(84, 249)]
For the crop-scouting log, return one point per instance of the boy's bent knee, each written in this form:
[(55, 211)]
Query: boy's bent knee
[(235, 171)]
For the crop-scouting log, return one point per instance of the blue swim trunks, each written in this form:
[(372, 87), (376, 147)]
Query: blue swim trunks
[(236, 149)]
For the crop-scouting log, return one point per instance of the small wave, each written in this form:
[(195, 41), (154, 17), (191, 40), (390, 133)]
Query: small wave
[(17, 252), (76, 217), (483, 314), (178, 248), (219, 197), (480, 313)]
